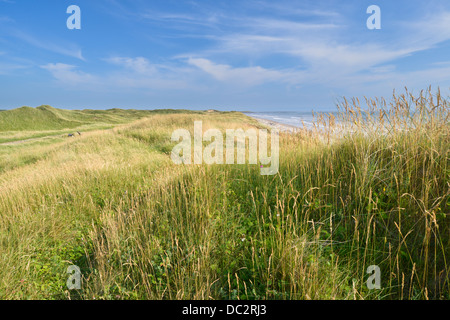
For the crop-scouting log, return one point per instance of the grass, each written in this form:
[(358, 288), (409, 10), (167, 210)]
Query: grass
[(140, 227), (44, 121)]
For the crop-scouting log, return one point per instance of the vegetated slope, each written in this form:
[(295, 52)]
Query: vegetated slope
[(141, 227), (49, 118), (41, 118)]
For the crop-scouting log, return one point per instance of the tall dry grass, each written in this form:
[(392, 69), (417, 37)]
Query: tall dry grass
[(368, 188)]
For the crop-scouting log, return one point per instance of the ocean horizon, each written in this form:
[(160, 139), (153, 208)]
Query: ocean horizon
[(291, 118)]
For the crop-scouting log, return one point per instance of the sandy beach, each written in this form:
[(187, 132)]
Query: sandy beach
[(280, 126)]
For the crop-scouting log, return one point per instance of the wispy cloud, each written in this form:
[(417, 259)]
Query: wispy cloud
[(69, 50), (255, 48), (248, 76), (287, 8), (314, 36), (139, 65), (7, 69), (68, 74), (324, 58), (132, 73), (323, 51)]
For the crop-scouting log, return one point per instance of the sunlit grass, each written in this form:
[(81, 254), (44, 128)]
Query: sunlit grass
[(140, 227)]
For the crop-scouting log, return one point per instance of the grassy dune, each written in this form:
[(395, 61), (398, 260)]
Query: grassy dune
[(140, 227), (44, 121)]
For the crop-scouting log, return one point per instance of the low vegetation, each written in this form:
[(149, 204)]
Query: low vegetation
[(140, 227), (45, 121)]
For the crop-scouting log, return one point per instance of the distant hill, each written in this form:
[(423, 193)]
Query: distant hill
[(49, 118)]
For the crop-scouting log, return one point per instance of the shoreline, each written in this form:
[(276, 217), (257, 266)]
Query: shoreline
[(277, 125)]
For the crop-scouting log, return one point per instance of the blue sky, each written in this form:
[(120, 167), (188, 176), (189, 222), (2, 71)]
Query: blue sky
[(229, 55)]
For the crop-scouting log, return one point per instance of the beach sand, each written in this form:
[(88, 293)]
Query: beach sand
[(280, 126)]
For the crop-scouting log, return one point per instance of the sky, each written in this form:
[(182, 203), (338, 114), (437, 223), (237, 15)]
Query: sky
[(247, 55)]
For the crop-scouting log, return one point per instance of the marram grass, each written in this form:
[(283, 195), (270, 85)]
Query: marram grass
[(375, 192)]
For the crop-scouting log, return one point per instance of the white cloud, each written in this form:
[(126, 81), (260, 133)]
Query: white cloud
[(317, 39), (427, 32), (324, 52), (67, 74), (249, 76), (68, 50), (10, 68), (135, 76), (287, 8), (321, 51), (139, 65)]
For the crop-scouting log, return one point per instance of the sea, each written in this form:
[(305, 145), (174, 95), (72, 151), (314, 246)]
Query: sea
[(292, 118)]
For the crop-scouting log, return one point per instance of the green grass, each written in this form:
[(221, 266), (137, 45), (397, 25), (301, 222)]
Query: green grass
[(140, 227), (44, 121)]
